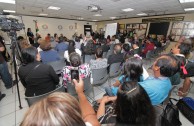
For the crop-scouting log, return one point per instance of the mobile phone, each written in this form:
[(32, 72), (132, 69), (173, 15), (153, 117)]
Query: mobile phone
[(75, 75)]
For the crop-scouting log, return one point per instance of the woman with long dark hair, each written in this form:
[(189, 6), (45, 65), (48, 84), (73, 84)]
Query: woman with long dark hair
[(132, 107)]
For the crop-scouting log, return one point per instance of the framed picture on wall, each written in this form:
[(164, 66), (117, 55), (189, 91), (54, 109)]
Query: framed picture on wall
[(129, 26), (135, 26), (178, 25), (143, 26)]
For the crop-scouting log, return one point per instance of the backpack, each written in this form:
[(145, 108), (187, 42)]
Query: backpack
[(186, 106)]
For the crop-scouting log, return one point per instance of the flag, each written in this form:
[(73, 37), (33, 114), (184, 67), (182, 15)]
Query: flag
[(36, 26)]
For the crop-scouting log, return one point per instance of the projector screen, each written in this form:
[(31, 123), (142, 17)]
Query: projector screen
[(111, 29)]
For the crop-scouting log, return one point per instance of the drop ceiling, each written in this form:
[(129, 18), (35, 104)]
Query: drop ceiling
[(78, 9)]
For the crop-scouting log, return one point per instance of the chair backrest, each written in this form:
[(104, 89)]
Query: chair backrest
[(88, 58), (71, 88), (32, 100), (115, 69), (99, 76), (104, 54), (57, 65)]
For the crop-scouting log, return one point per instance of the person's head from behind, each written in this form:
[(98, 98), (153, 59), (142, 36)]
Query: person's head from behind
[(45, 45), (48, 34), (30, 55), (19, 38), (113, 38), (61, 39), (126, 47), (58, 109), (71, 47), (75, 59), (77, 39), (55, 35), (165, 66), (133, 105), (29, 29), (133, 69), (99, 52), (117, 49), (23, 43)]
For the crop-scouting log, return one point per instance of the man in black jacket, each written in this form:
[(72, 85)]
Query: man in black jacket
[(117, 56)]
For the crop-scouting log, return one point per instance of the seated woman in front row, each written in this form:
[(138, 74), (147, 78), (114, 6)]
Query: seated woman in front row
[(36, 77), (99, 62), (132, 71), (62, 109), (75, 63), (132, 107)]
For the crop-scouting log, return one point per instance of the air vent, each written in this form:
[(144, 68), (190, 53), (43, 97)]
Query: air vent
[(149, 11), (115, 0)]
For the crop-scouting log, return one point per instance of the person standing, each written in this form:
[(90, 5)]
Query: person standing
[(30, 36), (4, 72)]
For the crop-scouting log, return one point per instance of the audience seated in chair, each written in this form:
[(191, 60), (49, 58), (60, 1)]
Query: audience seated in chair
[(75, 62), (136, 49), (36, 77), (62, 109), (99, 62), (61, 47), (70, 50), (126, 49), (117, 56), (132, 106), (148, 47), (132, 71), (48, 54), (181, 51), (158, 86)]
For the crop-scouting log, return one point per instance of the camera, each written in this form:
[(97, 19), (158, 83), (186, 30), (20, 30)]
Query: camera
[(75, 75), (10, 24)]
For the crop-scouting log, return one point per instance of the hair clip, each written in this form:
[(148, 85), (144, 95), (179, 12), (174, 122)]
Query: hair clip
[(131, 90), (137, 56)]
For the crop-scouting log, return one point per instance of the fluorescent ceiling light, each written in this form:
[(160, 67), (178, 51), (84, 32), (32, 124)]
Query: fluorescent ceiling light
[(80, 18), (8, 1), (94, 20), (186, 1), (97, 15), (141, 14), (127, 9), (113, 17), (189, 9), (41, 14), (9, 11), (54, 8)]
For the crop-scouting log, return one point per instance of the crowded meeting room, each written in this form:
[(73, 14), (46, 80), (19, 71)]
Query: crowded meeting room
[(96, 63)]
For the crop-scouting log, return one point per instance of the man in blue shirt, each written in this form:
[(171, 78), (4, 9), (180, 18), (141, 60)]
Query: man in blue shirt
[(159, 86)]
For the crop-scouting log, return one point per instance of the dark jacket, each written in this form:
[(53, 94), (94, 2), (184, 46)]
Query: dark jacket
[(38, 78), (115, 58)]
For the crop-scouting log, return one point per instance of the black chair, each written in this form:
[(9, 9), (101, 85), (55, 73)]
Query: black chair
[(32, 100), (57, 65)]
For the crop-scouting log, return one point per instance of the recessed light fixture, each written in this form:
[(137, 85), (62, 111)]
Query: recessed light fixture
[(80, 18), (189, 9), (186, 1), (97, 15), (8, 1), (113, 17), (54, 8), (94, 20), (127, 9), (41, 14), (142, 14), (9, 11)]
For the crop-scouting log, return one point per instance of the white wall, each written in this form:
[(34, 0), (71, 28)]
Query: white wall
[(52, 24)]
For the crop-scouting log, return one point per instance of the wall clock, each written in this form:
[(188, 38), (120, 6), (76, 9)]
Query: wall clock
[(60, 27), (44, 26)]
